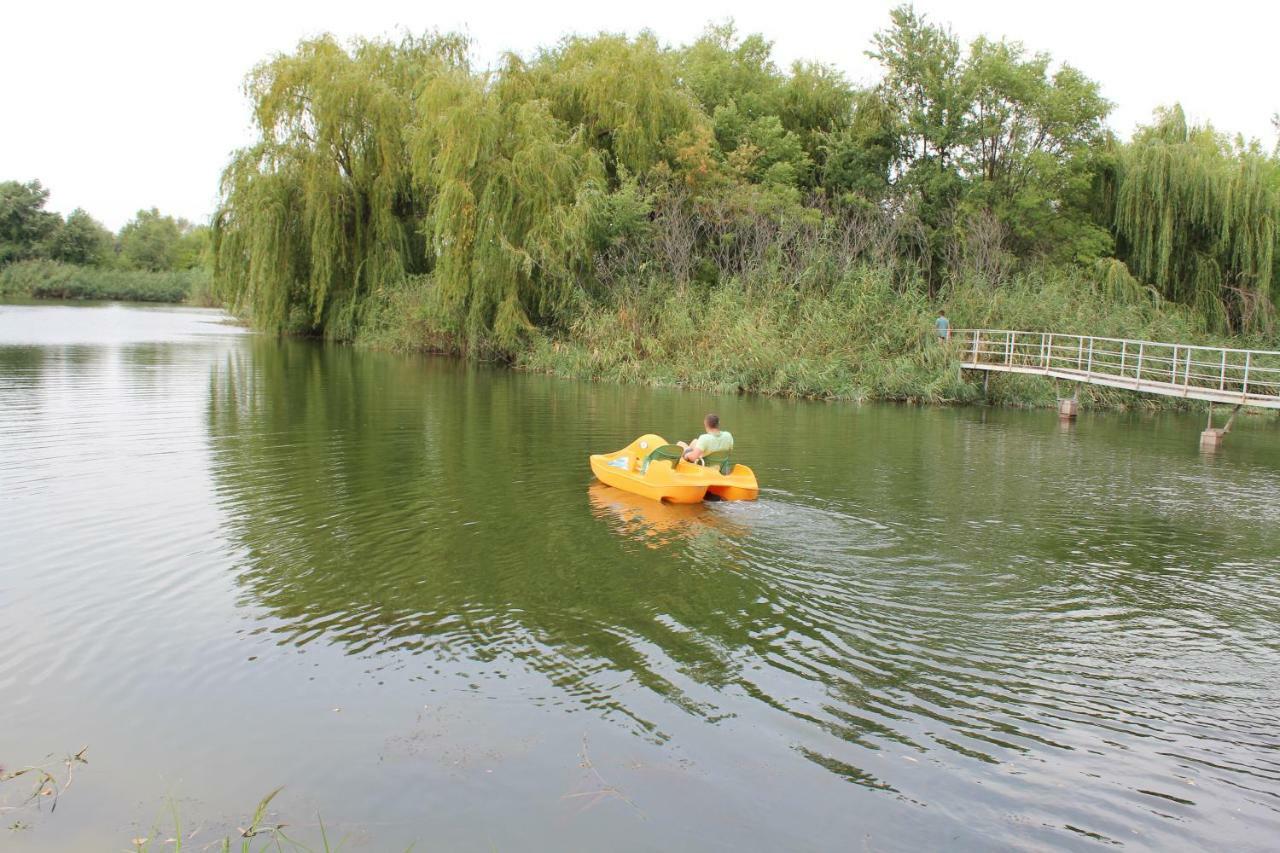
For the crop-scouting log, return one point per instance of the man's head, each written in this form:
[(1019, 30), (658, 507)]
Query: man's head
[(942, 313), (712, 421)]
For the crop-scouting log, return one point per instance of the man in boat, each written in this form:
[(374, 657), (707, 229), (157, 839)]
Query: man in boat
[(712, 440)]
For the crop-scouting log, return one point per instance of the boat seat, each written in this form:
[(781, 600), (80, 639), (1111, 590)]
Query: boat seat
[(721, 459), (667, 452)]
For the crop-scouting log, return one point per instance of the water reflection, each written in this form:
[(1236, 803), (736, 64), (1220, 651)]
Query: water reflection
[(655, 524), (1020, 607), (394, 515), (931, 625)]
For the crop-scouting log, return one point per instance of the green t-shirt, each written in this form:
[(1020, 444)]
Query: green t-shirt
[(709, 443)]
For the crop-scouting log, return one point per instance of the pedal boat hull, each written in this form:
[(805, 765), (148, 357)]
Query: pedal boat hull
[(677, 482)]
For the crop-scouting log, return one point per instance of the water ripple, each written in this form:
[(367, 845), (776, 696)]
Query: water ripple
[(1039, 637)]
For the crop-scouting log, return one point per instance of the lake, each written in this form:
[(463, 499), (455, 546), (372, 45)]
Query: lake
[(388, 583)]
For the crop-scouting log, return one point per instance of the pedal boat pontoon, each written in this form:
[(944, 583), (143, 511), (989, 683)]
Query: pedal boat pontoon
[(654, 469)]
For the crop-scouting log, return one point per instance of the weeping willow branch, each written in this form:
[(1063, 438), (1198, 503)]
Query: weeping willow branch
[(511, 188), (1197, 217), (323, 208)]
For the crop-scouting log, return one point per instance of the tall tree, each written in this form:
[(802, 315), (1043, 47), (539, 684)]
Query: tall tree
[(322, 210), (149, 241), (623, 94), (81, 240), (1197, 215), (512, 189), (24, 223), (1029, 153), (990, 133)]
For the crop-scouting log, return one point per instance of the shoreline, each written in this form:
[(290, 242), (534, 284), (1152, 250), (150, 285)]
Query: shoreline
[(1029, 393)]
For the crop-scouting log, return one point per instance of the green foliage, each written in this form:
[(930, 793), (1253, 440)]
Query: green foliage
[(772, 125), (323, 209), (993, 130), (622, 94), (721, 69), (1196, 216), (395, 194), (44, 279), (194, 249), (24, 223), (851, 331), (857, 159), (81, 240), (150, 241), (1032, 134), (511, 213)]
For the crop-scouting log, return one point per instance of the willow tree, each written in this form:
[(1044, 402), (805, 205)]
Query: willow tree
[(322, 208), (512, 189), (624, 94), (1197, 217)]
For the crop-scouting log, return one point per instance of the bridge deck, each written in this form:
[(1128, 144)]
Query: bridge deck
[(1215, 374)]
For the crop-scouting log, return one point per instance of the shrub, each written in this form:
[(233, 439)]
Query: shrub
[(54, 280)]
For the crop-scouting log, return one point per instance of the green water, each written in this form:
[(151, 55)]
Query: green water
[(389, 584)]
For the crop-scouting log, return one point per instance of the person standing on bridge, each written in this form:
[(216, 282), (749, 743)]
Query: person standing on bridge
[(943, 325)]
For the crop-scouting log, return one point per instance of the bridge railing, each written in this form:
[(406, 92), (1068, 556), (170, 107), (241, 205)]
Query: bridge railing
[(1206, 372)]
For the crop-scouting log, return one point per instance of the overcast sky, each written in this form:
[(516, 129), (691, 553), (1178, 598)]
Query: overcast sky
[(125, 105)]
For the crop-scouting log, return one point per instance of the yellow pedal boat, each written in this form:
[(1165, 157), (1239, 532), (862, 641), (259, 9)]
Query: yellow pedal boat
[(654, 469)]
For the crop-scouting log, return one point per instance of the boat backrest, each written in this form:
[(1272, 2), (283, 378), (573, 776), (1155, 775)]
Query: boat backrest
[(721, 459), (667, 452)]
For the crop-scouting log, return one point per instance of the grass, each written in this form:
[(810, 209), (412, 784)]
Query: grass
[(38, 787), (260, 835), (53, 280), (829, 331)]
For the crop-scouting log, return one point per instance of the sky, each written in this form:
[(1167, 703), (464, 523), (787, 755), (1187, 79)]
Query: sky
[(125, 105)]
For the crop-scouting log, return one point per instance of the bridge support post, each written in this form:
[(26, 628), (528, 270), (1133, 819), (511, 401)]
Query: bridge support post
[(1212, 438), (1068, 407)]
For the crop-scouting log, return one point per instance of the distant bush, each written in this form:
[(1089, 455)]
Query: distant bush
[(42, 279)]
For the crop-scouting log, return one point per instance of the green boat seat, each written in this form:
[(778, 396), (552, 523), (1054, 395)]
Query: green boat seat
[(720, 459), (672, 453)]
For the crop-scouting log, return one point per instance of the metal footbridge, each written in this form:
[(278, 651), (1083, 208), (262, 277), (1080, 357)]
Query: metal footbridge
[(1236, 377)]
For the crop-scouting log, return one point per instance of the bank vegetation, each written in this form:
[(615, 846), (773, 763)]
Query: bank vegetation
[(43, 255), (615, 207)]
